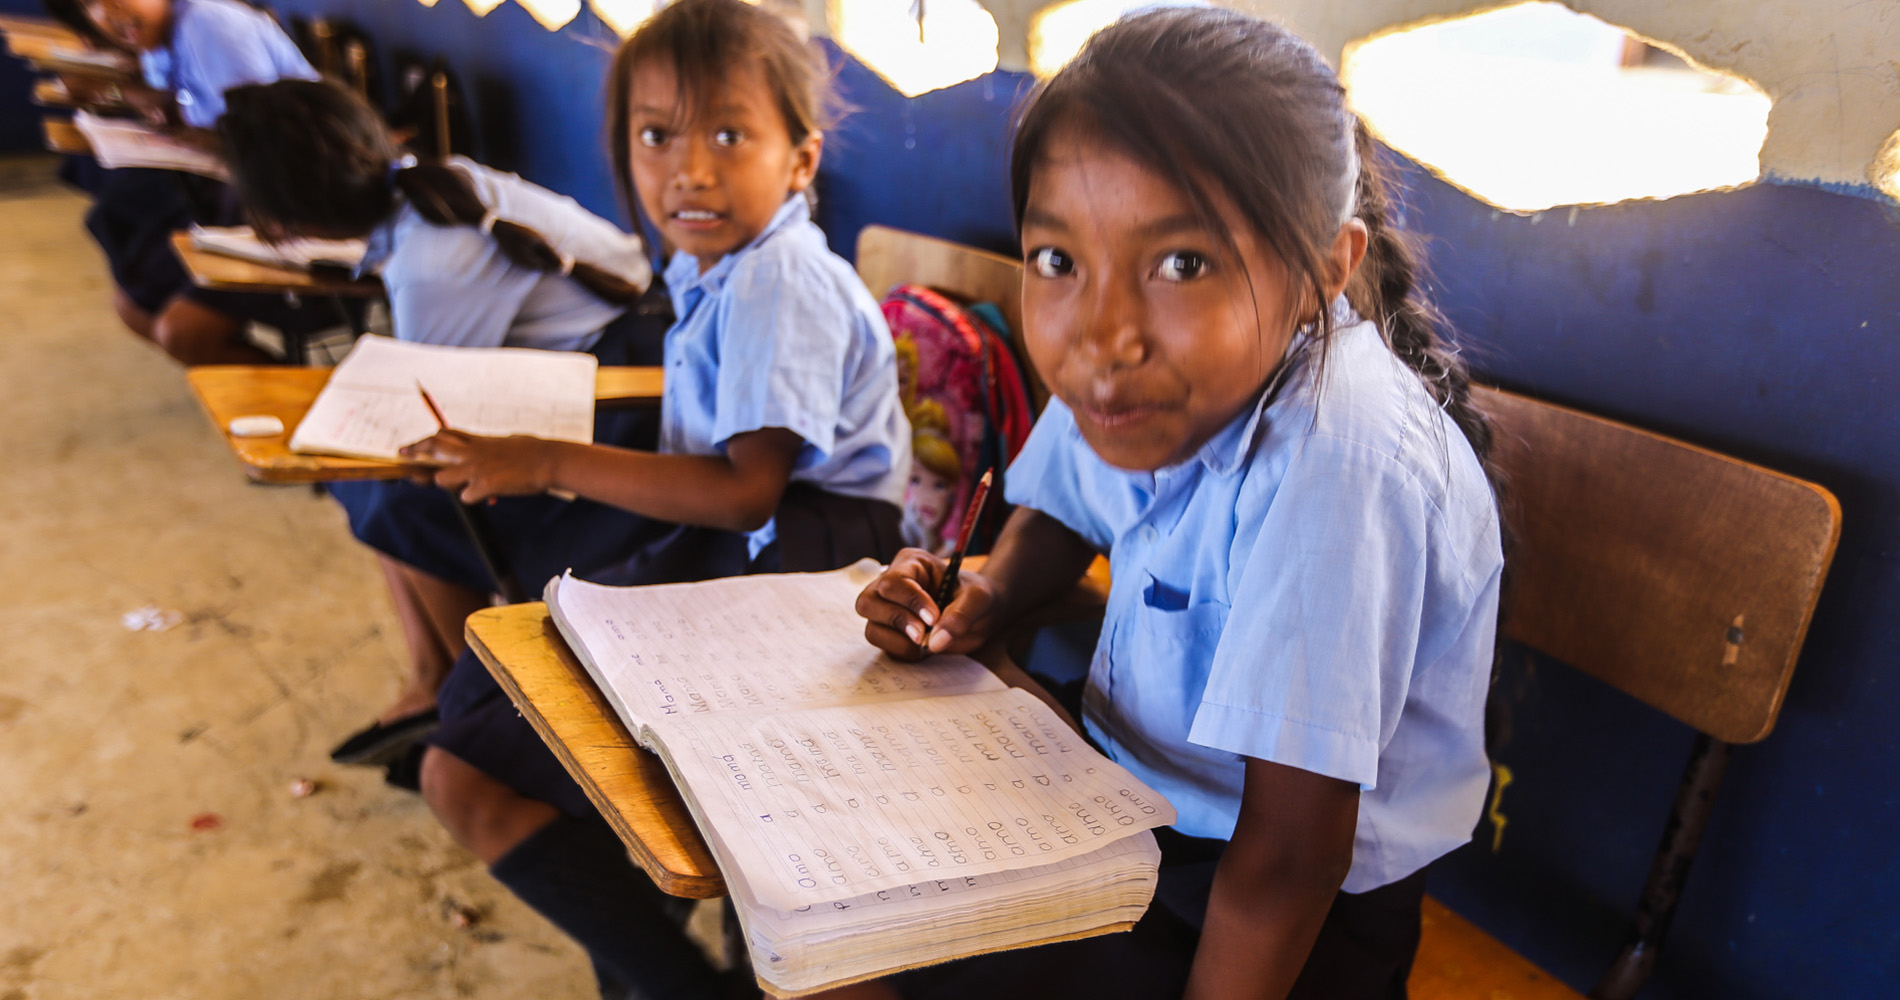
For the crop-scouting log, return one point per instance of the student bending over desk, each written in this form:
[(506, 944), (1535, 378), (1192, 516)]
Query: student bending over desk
[(190, 52), (781, 398), (469, 257), (1255, 418)]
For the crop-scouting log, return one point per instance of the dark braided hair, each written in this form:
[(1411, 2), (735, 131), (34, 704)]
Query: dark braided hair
[(1219, 101), (312, 158)]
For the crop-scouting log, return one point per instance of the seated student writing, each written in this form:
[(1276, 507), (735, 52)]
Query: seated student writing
[(190, 53), (1256, 419), (781, 380), (469, 257)]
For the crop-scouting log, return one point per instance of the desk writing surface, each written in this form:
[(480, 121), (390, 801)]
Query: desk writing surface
[(522, 648), (229, 274), (230, 391), (64, 137)]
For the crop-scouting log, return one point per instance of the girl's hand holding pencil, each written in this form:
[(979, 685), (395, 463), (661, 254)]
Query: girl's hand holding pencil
[(477, 468), (901, 616)]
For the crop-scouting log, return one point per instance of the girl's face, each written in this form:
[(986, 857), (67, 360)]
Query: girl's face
[(137, 24), (713, 183), (1139, 317)]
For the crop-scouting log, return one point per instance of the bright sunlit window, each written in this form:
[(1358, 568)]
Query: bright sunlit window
[(1535, 105), (952, 41), (482, 7), (623, 16), (552, 14), (1058, 32)]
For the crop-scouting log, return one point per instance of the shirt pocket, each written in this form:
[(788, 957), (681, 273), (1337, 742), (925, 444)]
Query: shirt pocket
[(1154, 677)]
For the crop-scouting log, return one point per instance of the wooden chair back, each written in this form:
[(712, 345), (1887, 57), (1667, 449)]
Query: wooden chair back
[(890, 257), (1682, 577)]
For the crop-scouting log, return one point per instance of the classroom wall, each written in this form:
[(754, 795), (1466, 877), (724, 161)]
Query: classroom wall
[(1763, 322)]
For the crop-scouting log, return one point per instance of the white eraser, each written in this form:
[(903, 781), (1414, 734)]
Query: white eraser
[(256, 427)]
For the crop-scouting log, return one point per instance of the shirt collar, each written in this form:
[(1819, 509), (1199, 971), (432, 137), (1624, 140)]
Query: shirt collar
[(1232, 446), (682, 272)]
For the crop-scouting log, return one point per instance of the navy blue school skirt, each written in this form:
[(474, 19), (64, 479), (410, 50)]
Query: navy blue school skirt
[(541, 536), (132, 218)]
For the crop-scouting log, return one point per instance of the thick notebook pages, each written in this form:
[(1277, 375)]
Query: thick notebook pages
[(371, 406), (868, 815), (242, 242), (117, 143)]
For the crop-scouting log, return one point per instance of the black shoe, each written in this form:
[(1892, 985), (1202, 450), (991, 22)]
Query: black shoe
[(405, 772), (383, 743)]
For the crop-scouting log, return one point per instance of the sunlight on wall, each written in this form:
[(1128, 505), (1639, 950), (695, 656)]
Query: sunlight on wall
[(1531, 106), (552, 14), (958, 41), (1058, 32), (1886, 169), (482, 7), (623, 16)]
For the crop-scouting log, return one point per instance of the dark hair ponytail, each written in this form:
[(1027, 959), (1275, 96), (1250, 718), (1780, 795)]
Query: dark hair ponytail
[(444, 196), (1386, 290), (312, 157), (1222, 102)]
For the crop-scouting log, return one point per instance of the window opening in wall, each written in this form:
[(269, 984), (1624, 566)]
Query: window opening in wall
[(482, 7), (1059, 31), (552, 14), (1535, 105), (623, 16), (1886, 170), (917, 46)]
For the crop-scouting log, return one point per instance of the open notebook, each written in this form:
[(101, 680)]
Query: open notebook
[(868, 815), (371, 406), (243, 243), (118, 143)]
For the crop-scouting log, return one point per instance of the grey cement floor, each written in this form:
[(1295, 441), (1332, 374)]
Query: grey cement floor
[(150, 846)]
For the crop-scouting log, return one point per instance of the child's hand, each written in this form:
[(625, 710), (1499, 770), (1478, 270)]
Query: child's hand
[(901, 613), (479, 468)]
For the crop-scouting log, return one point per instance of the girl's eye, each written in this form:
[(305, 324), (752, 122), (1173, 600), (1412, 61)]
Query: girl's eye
[(1048, 262), (652, 138), (1181, 265), (728, 137)]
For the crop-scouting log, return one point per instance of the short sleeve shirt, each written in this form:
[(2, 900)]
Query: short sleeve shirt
[(782, 333), (216, 45), (453, 285), (1317, 587)]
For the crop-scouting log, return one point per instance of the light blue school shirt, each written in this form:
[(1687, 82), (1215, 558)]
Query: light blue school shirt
[(453, 285), (216, 45), (1316, 587), (782, 333)]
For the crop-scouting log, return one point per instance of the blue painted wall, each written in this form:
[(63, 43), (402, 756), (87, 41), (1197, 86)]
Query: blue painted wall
[(1764, 323)]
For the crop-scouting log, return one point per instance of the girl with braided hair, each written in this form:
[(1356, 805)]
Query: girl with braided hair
[(1257, 417)]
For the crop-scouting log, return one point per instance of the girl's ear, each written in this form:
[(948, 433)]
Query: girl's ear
[(805, 158), (1344, 256)]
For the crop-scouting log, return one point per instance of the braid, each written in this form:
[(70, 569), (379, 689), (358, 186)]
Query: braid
[(1386, 291), (445, 196)]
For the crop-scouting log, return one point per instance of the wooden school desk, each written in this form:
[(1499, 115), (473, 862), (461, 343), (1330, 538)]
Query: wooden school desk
[(218, 272), (521, 647), (63, 136), (230, 391)]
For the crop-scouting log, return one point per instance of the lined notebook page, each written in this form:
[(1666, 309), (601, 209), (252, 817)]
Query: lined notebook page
[(759, 642), (831, 803), (116, 144), (242, 242), (371, 408)]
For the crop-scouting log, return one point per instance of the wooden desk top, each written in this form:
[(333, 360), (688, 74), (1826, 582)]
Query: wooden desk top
[(70, 56), (18, 26), (524, 651), (230, 391), (49, 92), (230, 274), (64, 137)]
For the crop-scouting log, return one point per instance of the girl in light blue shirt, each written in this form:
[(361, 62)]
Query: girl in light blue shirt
[(1257, 421)]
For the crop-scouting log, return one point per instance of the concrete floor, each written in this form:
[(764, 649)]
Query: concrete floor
[(150, 846)]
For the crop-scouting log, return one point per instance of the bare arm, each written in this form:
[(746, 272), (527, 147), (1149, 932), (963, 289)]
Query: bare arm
[(1276, 881), (737, 491)]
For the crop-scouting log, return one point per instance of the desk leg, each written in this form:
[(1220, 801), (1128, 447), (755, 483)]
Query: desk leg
[(349, 318), (489, 547)]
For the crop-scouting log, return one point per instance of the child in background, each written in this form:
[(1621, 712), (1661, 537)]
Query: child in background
[(781, 380), (469, 257), (190, 52), (1256, 418)]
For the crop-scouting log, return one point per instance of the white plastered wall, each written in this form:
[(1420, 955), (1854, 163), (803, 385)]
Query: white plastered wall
[(1832, 67)]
